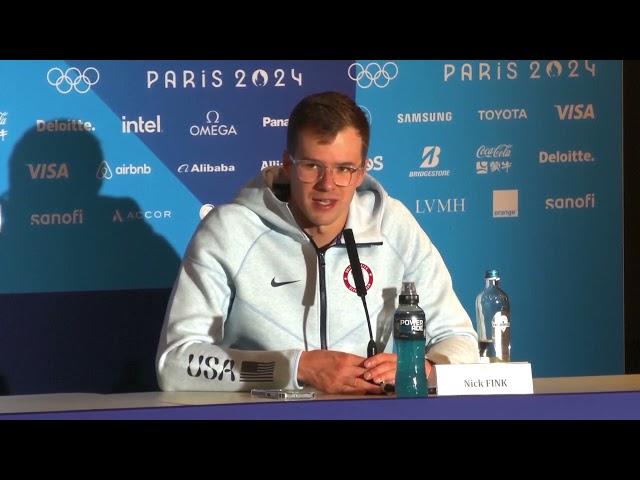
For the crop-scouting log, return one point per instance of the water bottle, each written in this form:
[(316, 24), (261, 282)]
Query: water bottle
[(409, 344), (493, 320)]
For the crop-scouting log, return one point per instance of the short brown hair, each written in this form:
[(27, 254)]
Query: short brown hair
[(327, 113)]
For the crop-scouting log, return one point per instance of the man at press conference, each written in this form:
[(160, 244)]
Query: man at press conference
[(264, 297)]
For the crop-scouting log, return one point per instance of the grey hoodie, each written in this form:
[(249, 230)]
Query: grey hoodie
[(253, 292)]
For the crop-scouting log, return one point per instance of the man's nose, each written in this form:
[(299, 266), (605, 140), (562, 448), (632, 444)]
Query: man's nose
[(327, 182)]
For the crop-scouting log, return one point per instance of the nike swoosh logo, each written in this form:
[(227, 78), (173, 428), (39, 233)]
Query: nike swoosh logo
[(279, 284)]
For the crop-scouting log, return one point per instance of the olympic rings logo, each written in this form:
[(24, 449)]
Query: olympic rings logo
[(73, 79), (373, 74)]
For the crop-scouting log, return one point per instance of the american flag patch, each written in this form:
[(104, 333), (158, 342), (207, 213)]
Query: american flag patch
[(257, 371)]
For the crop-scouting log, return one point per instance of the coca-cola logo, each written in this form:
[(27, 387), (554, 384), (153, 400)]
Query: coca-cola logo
[(499, 151)]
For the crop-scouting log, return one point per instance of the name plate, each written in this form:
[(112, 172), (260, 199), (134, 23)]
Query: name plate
[(484, 378)]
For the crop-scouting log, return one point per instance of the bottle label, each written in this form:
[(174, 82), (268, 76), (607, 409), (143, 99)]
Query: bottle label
[(500, 321), (408, 327)]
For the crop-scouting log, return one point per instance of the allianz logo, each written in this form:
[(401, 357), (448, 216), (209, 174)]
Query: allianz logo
[(121, 216), (578, 111), (140, 125), (270, 163), (503, 114), (563, 203), (268, 122), (206, 168), (105, 171), (64, 126)]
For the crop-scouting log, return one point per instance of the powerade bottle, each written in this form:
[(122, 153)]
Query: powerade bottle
[(409, 340)]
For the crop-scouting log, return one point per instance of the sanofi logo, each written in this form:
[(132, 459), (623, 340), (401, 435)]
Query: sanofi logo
[(76, 217), (562, 203)]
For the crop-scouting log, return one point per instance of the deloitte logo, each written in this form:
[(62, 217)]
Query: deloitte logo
[(105, 172), (64, 126)]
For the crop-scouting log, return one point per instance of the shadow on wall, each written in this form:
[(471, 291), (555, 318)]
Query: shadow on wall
[(57, 234)]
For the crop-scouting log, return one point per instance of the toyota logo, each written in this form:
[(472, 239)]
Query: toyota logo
[(373, 74), (73, 79)]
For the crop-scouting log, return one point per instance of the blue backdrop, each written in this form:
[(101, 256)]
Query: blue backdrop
[(106, 167)]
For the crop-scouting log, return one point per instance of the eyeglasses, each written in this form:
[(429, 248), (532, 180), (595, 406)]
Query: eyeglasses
[(310, 171)]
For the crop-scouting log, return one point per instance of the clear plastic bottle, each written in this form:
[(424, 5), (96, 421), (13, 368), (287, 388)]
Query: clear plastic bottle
[(493, 320), (409, 341)]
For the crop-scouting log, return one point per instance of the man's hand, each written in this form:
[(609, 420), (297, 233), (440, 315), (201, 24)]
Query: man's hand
[(335, 372), (381, 368)]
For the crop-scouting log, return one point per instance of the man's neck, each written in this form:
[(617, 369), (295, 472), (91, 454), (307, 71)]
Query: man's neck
[(322, 236)]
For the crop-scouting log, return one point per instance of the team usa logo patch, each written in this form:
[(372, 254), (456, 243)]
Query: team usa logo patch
[(367, 274)]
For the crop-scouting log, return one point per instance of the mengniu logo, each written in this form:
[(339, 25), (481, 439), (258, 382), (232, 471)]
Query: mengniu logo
[(347, 276)]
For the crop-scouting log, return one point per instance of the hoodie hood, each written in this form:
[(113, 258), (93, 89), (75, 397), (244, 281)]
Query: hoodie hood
[(267, 195)]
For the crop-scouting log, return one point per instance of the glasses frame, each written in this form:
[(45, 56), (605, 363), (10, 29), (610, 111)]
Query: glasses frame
[(323, 171)]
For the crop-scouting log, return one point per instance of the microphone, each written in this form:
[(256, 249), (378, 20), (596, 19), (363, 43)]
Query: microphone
[(361, 290)]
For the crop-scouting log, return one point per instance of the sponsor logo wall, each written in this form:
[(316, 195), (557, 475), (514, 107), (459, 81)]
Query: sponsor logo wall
[(106, 168)]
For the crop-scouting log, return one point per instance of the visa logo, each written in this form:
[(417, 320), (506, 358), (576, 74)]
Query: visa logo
[(48, 170), (577, 111)]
